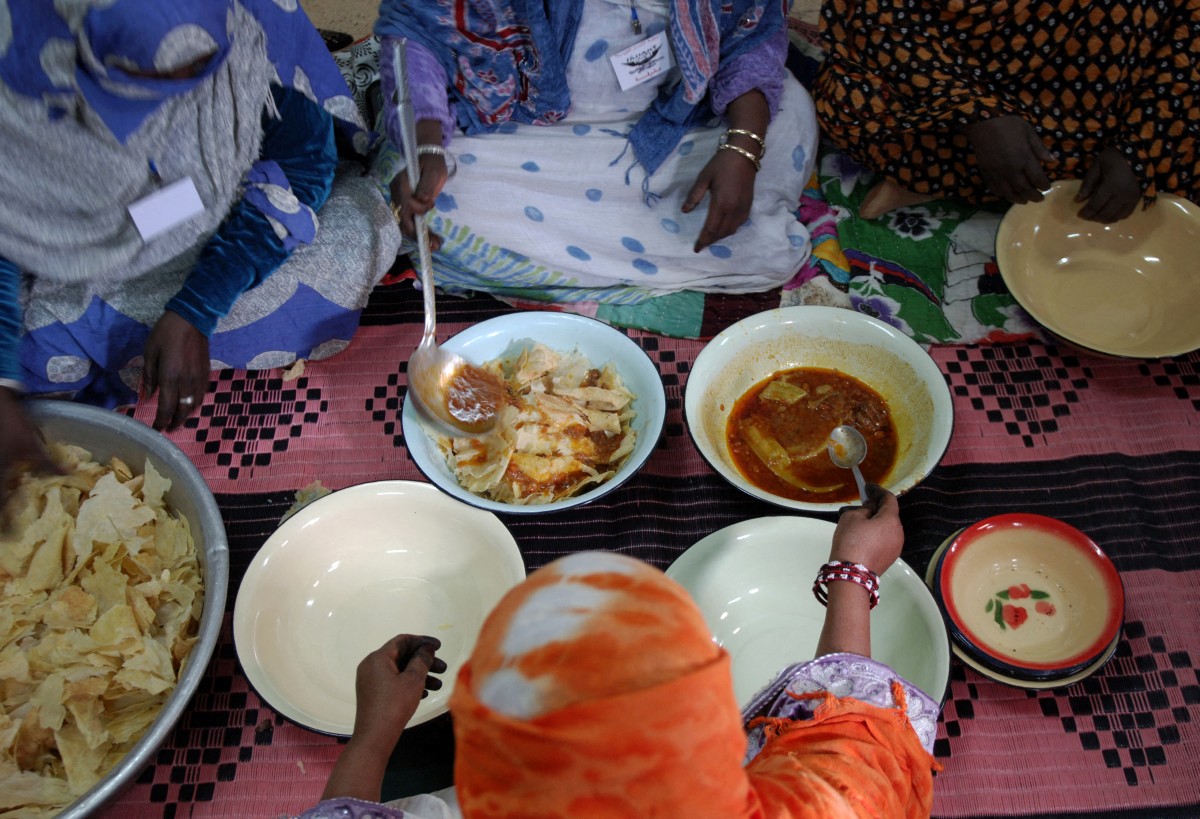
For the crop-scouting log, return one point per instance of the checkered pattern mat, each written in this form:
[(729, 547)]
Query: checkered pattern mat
[(1110, 446)]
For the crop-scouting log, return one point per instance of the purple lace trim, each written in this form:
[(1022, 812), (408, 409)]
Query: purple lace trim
[(345, 808), (843, 675)]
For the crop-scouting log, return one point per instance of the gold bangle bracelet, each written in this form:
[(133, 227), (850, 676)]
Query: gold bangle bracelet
[(743, 152), (762, 145)]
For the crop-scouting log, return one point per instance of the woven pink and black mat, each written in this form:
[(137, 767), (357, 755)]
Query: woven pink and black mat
[(1110, 446)]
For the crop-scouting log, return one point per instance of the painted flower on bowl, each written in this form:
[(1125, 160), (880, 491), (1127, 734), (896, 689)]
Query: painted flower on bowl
[(1008, 615)]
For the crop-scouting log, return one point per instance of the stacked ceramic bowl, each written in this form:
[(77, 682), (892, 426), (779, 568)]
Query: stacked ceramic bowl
[(1028, 600)]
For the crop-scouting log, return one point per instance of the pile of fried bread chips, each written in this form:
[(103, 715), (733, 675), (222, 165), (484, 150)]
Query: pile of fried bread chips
[(565, 425), (100, 601)]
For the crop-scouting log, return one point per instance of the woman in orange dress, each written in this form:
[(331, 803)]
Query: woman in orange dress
[(992, 101), (595, 690)]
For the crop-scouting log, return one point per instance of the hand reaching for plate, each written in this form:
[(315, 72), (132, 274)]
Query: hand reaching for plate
[(1110, 188), (389, 685), (1011, 157), (392, 680)]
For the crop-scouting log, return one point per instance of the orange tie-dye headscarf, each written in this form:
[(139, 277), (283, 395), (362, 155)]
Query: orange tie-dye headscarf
[(595, 690)]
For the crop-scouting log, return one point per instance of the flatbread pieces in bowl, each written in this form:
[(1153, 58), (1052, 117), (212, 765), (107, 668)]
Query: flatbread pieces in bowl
[(101, 602), (583, 411), (564, 426)]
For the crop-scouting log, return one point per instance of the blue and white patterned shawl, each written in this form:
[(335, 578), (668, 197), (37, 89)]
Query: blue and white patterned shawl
[(86, 132), (507, 61)]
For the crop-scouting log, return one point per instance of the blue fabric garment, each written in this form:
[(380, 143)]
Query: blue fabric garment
[(514, 70), (130, 33), (10, 321), (506, 61), (246, 249)]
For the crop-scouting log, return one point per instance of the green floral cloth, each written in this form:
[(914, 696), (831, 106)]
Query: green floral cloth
[(929, 270)]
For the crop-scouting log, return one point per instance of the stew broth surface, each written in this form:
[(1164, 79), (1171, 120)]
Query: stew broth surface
[(778, 430)]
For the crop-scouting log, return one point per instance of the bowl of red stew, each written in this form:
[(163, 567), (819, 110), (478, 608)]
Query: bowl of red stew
[(766, 392)]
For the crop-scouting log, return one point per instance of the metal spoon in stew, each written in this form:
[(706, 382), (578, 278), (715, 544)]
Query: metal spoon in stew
[(847, 448)]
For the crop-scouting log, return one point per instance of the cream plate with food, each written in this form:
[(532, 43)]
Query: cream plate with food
[(832, 339), (584, 410)]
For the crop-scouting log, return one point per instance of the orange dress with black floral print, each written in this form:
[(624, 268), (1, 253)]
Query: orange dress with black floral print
[(903, 77)]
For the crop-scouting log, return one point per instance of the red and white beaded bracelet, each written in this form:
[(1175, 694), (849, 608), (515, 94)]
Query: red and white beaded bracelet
[(851, 572)]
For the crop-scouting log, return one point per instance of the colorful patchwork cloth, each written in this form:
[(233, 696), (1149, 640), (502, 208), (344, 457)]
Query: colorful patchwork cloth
[(928, 270)]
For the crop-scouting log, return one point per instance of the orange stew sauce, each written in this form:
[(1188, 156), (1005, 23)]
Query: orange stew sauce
[(777, 434)]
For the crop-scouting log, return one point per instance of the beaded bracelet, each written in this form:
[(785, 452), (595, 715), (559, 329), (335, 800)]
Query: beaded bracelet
[(844, 570), (743, 152)]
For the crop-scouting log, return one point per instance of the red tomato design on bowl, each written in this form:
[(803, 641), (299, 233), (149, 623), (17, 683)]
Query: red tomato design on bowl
[(1019, 592), (1045, 607), (1014, 616)]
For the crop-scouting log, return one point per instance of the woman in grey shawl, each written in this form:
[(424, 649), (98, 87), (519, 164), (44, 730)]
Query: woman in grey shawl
[(164, 167)]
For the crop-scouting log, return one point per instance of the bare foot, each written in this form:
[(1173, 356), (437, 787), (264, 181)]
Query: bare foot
[(886, 197)]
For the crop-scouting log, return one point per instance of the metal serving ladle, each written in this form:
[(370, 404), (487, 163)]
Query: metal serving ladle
[(456, 395), (847, 449)]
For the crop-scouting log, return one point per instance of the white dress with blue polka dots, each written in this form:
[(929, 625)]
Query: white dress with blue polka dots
[(558, 213)]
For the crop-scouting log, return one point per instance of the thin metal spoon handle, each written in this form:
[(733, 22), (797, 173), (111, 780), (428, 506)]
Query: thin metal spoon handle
[(408, 140), (862, 484)]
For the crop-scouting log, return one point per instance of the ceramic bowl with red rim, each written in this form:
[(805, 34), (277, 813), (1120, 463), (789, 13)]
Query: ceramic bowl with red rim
[(1029, 596)]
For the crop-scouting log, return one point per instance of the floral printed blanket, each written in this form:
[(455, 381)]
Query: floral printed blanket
[(928, 270)]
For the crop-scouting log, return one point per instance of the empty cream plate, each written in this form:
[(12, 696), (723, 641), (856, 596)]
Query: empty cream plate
[(753, 582), (352, 570), (1127, 289)]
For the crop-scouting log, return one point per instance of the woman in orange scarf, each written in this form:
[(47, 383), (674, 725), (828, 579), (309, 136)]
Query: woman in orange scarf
[(596, 690)]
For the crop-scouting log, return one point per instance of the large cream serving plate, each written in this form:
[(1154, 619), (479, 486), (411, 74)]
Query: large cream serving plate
[(1127, 289), (352, 570), (753, 582)]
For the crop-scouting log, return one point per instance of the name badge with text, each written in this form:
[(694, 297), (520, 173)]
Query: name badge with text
[(642, 61)]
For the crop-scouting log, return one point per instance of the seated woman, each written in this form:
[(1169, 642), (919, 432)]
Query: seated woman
[(595, 690), (989, 102), (572, 186), (164, 167)]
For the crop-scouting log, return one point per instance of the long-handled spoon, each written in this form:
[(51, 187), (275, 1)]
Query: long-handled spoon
[(457, 395), (847, 449)]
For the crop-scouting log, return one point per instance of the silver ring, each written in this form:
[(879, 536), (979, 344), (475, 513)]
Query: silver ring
[(187, 401)]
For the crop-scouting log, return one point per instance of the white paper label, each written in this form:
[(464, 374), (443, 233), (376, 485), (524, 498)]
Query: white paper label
[(168, 207), (642, 61)]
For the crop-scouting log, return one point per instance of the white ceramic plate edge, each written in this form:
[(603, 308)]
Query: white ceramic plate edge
[(429, 501), (805, 532)]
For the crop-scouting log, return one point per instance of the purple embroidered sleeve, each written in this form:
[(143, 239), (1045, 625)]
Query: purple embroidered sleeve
[(762, 69), (843, 675), (427, 84), (345, 808)]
